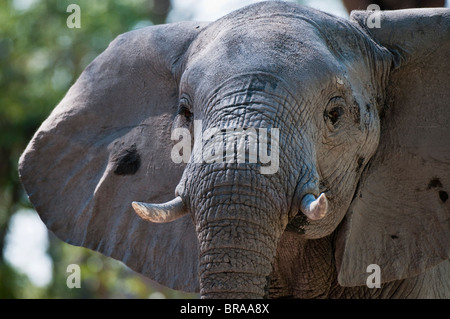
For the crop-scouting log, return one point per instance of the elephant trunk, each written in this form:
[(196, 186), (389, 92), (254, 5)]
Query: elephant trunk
[(235, 260), (238, 226)]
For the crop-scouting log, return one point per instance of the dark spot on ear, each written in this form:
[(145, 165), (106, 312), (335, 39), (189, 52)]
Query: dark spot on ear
[(394, 236), (435, 182), (127, 161), (443, 196)]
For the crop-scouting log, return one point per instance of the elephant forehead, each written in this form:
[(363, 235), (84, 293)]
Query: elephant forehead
[(280, 28), (300, 77), (262, 41), (292, 49)]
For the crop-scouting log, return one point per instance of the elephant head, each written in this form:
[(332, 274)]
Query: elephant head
[(357, 118)]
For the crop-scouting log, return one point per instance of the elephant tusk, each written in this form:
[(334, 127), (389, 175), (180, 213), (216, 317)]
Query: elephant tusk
[(313, 208), (161, 213)]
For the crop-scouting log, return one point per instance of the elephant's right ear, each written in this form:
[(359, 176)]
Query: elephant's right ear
[(107, 144), (399, 218)]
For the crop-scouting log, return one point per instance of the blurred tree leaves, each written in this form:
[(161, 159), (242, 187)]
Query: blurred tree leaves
[(40, 58)]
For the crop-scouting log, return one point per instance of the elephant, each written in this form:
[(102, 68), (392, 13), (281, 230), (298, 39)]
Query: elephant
[(357, 205)]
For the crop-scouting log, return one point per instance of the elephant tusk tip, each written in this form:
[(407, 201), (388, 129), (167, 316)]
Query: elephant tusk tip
[(135, 205), (139, 208), (315, 209), (160, 213)]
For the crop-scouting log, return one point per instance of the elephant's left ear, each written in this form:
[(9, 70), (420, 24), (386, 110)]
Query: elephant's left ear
[(399, 218), (107, 144)]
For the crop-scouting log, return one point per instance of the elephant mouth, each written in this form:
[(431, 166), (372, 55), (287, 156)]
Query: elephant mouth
[(238, 226)]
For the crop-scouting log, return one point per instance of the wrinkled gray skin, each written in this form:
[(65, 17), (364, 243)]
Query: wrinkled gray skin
[(362, 115)]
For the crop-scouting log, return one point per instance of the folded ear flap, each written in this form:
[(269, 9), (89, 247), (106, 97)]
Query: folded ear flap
[(107, 144), (399, 218)]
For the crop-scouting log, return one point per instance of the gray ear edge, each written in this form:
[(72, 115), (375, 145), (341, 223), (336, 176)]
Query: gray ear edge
[(360, 17), (396, 28)]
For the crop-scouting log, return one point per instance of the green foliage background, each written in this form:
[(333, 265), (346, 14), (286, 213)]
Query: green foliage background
[(40, 58)]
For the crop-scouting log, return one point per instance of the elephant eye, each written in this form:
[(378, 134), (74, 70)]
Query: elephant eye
[(335, 114), (185, 112)]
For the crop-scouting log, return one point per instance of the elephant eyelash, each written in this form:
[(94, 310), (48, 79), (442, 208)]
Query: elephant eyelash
[(334, 110)]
